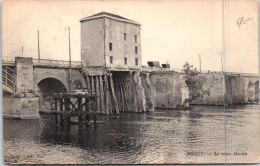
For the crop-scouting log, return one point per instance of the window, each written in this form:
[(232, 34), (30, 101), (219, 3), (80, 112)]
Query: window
[(136, 61), (110, 46), (136, 38), (136, 50), (125, 37), (111, 59), (125, 61)]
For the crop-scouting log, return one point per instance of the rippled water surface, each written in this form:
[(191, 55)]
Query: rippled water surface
[(163, 136)]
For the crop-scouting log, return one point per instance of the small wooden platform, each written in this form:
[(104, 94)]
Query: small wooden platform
[(68, 105)]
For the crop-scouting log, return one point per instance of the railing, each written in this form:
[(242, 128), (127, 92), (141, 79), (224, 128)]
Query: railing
[(148, 68), (56, 62), (8, 59), (8, 77)]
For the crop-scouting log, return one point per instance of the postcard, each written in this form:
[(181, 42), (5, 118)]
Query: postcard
[(130, 82)]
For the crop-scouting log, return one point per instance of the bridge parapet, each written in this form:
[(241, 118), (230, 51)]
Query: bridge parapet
[(56, 63), (10, 61)]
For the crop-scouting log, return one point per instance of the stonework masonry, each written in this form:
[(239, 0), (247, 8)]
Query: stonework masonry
[(110, 42), (149, 91), (21, 108), (170, 88), (214, 83), (24, 74)]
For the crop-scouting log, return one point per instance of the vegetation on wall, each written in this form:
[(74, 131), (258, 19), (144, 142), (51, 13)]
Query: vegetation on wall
[(195, 84)]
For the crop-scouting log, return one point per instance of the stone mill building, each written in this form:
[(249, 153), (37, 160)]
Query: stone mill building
[(111, 56), (111, 41)]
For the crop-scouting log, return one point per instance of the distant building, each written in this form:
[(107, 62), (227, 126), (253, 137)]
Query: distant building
[(110, 41)]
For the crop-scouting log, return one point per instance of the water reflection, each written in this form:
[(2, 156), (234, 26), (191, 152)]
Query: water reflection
[(163, 136)]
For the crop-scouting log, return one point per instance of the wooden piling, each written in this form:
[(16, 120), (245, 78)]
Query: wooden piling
[(129, 95), (122, 95), (67, 101), (134, 95), (61, 109), (88, 84), (80, 120), (97, 93), (125, 95), (119, 94), (107, 94), (87, 109), (113, 94), (56, 107), (102, 102), (95, 119), (92, 85)]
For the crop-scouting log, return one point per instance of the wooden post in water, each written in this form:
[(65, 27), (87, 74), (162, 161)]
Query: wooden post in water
[(110, 105), (87, 109), (113, 94), (80, 120), (97, 93), (133, 87), (92, 85), (120, 86), (95, 119), (123, 82), (61, 109), (107, 94), (67, 101), (102, 102), (88, 84), (56, 107)]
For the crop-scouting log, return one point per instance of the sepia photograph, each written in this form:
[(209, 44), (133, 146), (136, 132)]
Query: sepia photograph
[(130, 82)]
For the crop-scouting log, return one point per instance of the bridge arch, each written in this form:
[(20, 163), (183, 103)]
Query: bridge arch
[(46, 87)]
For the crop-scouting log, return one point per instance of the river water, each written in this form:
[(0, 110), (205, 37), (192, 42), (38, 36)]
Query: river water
[(203, 135)]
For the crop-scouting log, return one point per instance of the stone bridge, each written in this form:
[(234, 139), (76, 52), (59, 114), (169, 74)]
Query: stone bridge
[(47, 76), (35, 76), (41, 75)]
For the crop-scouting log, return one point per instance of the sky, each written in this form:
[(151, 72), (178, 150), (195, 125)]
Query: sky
[(173, 31)]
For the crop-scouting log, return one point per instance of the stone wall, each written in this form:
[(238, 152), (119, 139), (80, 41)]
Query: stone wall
[(122, 47), (170, 87), (149, 91), (238, 89), (251, 89), (141, 100), (21, 108), (92, 42), (214, 83), (235, 89), (24, 74)]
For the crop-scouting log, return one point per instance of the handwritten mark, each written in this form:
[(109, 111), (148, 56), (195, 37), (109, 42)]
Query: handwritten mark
[(242, 20)]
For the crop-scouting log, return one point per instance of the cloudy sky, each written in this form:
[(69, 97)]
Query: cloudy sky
[(173, 31)]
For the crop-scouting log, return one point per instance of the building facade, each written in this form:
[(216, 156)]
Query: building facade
[(110, 41)]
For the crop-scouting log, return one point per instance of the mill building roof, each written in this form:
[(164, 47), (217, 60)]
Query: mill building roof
[(109, 15)]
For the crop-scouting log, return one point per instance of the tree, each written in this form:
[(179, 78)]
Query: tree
[(195, 84)]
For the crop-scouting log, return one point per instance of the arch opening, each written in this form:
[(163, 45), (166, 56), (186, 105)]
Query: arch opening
[(46, 87)]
